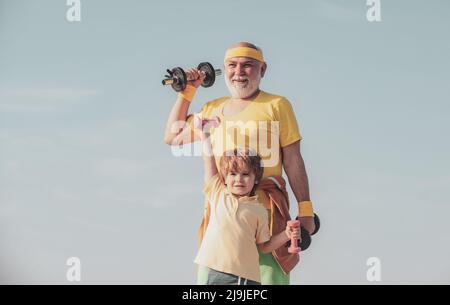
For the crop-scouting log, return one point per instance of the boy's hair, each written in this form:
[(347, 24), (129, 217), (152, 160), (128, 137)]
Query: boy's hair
[(240, 159)]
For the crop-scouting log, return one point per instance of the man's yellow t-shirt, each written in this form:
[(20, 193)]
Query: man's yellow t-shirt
[(266, 125)]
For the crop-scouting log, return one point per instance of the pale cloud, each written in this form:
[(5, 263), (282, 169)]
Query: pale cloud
[(50, 93), (104, 135), (10, 169), (25, 141), (159, 196), (42, 100), (95, 166), (91, 224), (339, 11), (7, 207), (122, 169)]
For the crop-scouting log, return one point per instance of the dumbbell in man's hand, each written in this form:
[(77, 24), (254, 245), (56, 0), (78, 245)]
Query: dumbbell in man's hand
[(204, 75), (195, 77)]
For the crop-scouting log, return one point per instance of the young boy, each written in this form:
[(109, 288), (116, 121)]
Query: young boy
[(238, 226)]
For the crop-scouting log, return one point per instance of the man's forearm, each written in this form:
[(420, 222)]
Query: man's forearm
[(177, 116), (298, 179)]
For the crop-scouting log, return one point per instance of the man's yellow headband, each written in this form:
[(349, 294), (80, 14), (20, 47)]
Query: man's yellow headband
[(244, 52)]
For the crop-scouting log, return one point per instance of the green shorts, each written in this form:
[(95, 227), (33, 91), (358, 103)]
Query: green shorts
[(271, 273)]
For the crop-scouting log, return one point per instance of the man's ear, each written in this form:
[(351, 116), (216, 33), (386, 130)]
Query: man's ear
[(263, 69)]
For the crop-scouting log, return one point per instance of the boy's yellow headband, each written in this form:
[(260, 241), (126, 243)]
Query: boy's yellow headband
[(244, 52)]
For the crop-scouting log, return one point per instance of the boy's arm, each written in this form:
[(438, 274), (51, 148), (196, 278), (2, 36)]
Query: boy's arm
[(279, 240), (274, 243), (208, 157)]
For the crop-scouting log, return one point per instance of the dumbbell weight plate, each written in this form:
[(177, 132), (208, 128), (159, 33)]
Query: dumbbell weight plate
[(210, 74), (306, 239), (316, 224), (180, 79)]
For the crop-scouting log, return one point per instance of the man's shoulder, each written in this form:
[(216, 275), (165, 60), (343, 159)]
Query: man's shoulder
[(216, 102), (273, 98), (266, 98)]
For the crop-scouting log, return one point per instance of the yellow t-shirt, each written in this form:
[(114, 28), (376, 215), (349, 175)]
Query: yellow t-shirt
[(235, 226), (267, 124)]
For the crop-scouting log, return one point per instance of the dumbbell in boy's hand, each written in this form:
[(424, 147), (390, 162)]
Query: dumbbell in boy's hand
[(293, 232), (205, 125)]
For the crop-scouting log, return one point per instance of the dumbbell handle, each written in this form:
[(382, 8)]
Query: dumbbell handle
[(294, 247), (171, 80)]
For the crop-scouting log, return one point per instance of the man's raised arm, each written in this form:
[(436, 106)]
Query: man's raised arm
[(177, 132)]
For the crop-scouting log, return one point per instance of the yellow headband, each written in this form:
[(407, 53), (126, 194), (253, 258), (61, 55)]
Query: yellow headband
[(244, 52)]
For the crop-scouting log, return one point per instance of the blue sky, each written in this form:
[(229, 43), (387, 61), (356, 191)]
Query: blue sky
[(84, 171)]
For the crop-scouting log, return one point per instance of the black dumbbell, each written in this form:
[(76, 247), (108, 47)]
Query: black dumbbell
[(306, 237), (178, 80)]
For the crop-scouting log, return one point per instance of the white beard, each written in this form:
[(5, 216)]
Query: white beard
[(243, 90)]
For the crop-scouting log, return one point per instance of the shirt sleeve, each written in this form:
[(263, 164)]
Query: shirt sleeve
[(262, 231), (213, 186), (289, 131)]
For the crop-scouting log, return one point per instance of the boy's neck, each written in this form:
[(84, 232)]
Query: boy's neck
[(240, 196)]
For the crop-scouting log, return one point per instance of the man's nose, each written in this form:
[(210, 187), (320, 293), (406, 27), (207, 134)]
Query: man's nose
[(240, 70)]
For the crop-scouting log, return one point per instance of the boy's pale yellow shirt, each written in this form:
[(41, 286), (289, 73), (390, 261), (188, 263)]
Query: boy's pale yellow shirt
[(236, 225), (267, 124)]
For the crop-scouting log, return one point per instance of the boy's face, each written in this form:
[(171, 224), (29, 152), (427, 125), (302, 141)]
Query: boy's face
[(240, 183)]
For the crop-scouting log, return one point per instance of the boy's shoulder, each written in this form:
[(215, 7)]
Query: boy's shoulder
[(214, 185), (255, 204)]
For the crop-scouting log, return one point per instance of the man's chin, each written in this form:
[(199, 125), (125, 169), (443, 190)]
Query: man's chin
[(240, 93), (245, 91)]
